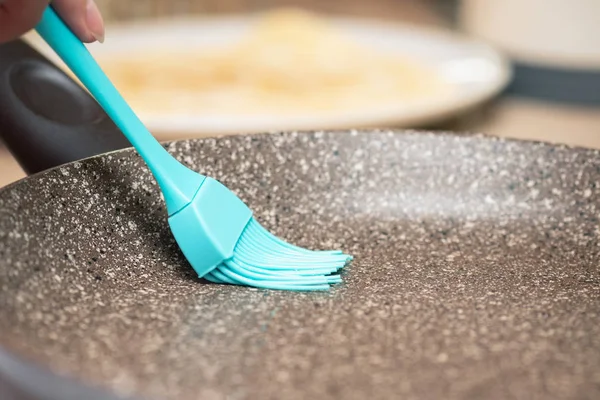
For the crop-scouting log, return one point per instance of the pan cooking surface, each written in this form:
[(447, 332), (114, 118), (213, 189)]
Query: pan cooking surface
[(476, 272)]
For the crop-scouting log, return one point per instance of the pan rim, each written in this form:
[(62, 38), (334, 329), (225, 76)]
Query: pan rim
[(460, 135), (27, 378)]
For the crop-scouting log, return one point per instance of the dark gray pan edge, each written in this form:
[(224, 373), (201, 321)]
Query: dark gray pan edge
[(441, 133), (21, 380), (561, 85)]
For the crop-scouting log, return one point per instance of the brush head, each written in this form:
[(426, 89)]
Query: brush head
[(224, 244), (261, 259)]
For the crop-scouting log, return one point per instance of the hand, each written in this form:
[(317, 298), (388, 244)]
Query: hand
[(82, 16)]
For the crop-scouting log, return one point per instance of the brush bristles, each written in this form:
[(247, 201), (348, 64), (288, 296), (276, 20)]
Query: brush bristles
[(263, 260)]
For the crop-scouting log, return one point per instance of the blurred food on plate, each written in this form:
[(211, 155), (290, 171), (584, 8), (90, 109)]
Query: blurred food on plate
[(290, 62), (290, 69)]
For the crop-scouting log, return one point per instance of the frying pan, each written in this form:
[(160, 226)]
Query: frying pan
[(476, 271)]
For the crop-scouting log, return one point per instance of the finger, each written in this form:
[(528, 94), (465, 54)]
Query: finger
[(19, 16), (83, 17)]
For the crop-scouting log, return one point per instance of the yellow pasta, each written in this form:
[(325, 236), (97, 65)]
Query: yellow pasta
[(291, 62)]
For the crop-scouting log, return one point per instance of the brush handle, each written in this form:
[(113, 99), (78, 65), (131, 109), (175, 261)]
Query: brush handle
[(178, 183), (46, 118)]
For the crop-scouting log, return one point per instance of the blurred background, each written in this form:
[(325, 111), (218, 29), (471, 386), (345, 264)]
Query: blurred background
[(526, 69)]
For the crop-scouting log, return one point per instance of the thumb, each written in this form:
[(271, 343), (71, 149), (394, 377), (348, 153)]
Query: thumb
[(82, 16)]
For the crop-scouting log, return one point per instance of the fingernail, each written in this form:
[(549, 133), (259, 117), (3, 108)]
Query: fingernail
[(94, 21)]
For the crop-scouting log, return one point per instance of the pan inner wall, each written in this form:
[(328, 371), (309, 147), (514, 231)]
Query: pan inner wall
[(476, 271)]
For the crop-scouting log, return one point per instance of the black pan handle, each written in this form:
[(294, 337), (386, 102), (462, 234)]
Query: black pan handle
[(46, 118)]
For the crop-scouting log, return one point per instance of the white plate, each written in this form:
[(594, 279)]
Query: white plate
[(475, 71)]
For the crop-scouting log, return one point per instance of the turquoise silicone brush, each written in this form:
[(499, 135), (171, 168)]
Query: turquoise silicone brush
[(213, 227)]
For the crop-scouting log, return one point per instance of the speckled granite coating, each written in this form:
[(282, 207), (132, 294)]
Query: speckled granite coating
[(476, 272)]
